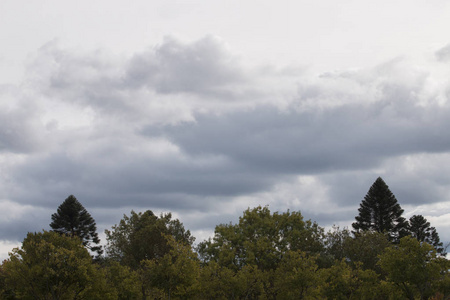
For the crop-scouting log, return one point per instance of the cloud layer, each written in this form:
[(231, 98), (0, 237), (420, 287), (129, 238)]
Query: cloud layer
[(190, 128)]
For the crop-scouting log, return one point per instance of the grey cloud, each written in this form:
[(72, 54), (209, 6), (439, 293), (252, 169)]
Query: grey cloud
[(91, 79), (20, 130), (33, 220), (202, 67), (117, 85), (339, 127), (164, 183), (348, 137), (443, 54)]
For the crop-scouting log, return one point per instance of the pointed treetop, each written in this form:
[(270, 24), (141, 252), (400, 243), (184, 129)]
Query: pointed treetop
[(72, 219), (380, 212)]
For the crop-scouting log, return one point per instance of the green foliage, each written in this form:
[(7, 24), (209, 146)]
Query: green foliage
[(6, 292), (175, 273), (380, 212), (264, 256), (341, 281), (364, 248), (142, 236), (73, 219), (414, 267), (125, 282), (261, 239), (421, 229), (334, 242), (250, 283), (53, 266), (217, 282), (297, 276)]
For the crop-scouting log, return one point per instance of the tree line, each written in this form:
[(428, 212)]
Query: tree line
[(266, 255)]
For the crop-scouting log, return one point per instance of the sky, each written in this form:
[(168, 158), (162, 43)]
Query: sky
[(207, 108)]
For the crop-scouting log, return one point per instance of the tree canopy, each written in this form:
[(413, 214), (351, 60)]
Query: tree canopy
[(416, 268), (380, 212), (142, 236), (265, 255), (262, 239), (73, 219), (53, 266)]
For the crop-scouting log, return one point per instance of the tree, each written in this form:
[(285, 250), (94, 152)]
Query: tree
[(261, 239), (415, 267), (380, 212), (176, 273), (73, 219), (421, 229), (297, 276), (254, 248), (143, 236), (217, 282), (341, 281), (364, 248), (53, 266), (334, 242), (124, 281)]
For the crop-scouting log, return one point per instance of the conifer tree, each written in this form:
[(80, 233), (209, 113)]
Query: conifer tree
[(380, 212), (421, 229), (73, 219)]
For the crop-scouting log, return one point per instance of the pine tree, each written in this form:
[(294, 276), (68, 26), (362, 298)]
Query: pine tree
[(380, 212), (421, 229), (73, 219)]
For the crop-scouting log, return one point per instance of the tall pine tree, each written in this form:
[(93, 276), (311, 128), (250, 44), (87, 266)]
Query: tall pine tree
[(380, 212), (421, 229), (73, 219)]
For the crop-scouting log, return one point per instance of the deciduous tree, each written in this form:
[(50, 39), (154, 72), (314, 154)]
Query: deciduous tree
[(415, 267), (297, 276), (176, 273), (364, 248), (124, 281), (53, 266), (262, 239), (142, 236)]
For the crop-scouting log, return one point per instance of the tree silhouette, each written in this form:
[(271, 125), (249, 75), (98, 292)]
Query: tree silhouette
[(73, 219), (380, 212), (421, 229)]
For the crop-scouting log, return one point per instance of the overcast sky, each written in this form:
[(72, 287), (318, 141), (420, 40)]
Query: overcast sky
[(206, 108)]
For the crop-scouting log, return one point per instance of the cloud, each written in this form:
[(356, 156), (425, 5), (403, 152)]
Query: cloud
[(188, 128), (354, 136), (443, 54), (20, 130), (17, 220), (202, 67)]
